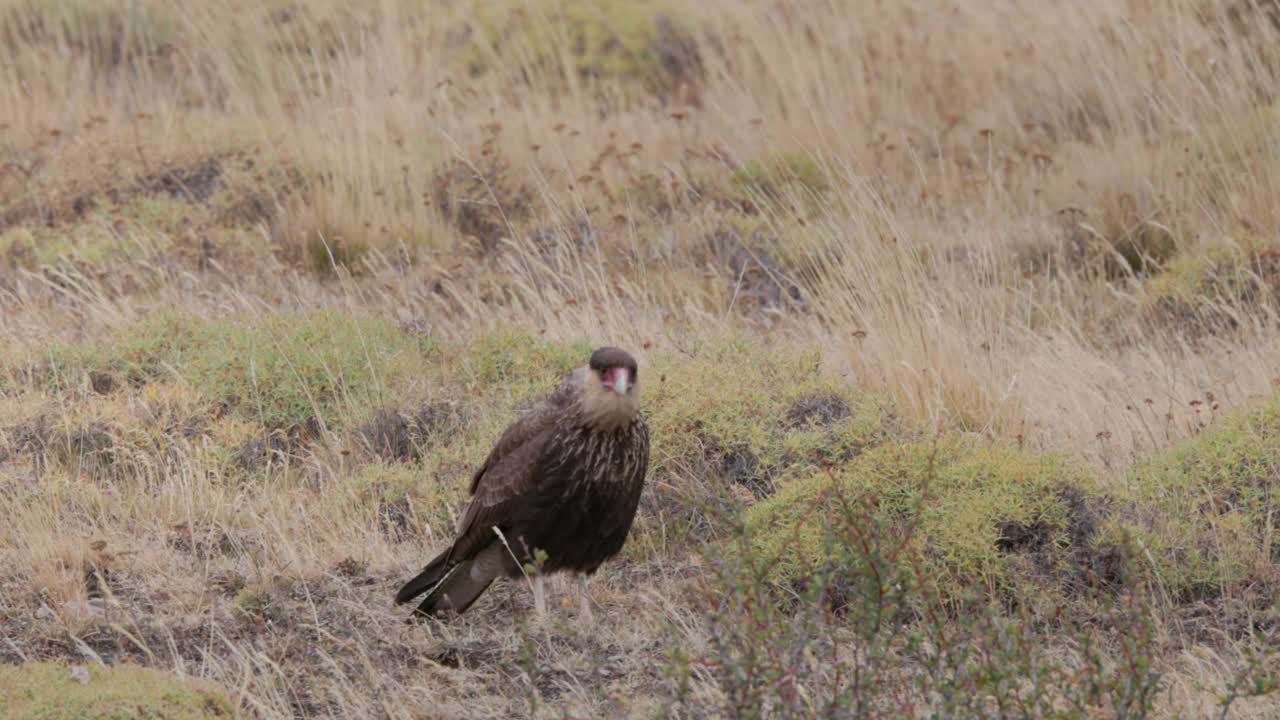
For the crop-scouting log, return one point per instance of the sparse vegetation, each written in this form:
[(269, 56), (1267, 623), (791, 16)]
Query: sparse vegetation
[(957, 330), (51, 691)]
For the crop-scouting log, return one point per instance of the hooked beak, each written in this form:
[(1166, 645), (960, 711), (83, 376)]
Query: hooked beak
[(616, 379)]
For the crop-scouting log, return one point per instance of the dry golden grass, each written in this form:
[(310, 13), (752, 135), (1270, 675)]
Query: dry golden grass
[(968, 208)]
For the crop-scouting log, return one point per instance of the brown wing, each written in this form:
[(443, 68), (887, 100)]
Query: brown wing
[(508, 475), (530, 425)]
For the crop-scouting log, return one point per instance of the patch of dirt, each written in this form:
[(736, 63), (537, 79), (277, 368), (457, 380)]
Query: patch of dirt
[(437, 417), (350, 567), (467, 654), (257, 454), (1035, 539), (213, 541), (1086, 566), (1249, 613), (557, 245), (1097, 565), (255, 200), (32, 437), (102, 382), (395, 437), (397, 520), (741, 467), (681, 61), (760, 283), (482, 200), (324, 634), (825, 411), (90, 445), (386, 434), (193, 183)]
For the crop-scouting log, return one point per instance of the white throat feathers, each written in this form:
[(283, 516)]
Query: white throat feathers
[(605, 409)]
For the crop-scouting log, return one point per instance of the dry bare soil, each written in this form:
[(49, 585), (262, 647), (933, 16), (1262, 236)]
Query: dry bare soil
[(958, 326)]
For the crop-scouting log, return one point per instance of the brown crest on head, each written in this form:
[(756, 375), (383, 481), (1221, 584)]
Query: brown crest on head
[(611, 392)]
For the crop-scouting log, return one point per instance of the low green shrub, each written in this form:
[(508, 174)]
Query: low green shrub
[(1213, 289), (972, 508), (643, 45), (54, 691), (288, 372), (1205, 512), (795, 178), (739, 416), (868, 634)]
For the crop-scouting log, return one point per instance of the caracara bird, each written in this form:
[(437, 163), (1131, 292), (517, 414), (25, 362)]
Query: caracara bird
[(564, 479)]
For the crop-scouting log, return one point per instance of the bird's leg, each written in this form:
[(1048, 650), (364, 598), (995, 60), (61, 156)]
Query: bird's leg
[(584, 599), (539, 596)]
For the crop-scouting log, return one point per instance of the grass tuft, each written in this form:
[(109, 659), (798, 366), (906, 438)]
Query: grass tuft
[(52, 691)]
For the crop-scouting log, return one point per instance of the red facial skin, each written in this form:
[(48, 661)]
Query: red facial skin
[(613, 375)]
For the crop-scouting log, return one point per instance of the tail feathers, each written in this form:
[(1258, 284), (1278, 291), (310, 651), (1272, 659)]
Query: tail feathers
[(455, 586), (431, 575), (459, 589)]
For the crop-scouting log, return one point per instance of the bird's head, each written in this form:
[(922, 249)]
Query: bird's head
[(611, 394)]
